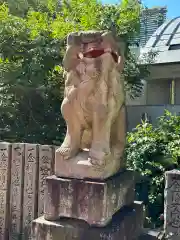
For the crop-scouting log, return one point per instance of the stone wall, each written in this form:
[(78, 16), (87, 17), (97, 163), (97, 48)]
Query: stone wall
[(23, 169)]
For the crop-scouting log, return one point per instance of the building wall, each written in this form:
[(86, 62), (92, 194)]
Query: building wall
[(164, 71), (155, 92), (157, 87), (134, 113), (158, 92)]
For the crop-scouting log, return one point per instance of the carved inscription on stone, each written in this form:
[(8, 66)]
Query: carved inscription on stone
[(3, 214), (172, 203), (92, 201), (30, 189), (66, 198), (17, 179), (5, 154), (126, 224), (46, 164)]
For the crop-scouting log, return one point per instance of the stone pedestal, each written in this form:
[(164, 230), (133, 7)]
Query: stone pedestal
[(126, 224), (81, 167), (92, 201)]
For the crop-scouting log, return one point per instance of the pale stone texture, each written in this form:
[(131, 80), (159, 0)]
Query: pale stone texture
[(92, 201), (46, 168), (172, 205), (79, 167), (93, 107), (126, 224), (91, 193), (5, 165), (16, 196), (30, 188)]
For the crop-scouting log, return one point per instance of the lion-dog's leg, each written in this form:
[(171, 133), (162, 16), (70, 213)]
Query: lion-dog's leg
[(72, 141), (103, 112), (102, 122), (118, 136)]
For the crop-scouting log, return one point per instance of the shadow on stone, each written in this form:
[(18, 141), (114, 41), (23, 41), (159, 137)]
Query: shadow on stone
[(126, 224)]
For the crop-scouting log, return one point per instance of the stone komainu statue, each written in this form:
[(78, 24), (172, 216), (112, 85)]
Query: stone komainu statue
[(93, 105)]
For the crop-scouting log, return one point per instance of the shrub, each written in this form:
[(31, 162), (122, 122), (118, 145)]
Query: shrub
[(150, 152)]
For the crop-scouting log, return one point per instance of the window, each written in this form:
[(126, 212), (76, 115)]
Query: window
[(174, 47)]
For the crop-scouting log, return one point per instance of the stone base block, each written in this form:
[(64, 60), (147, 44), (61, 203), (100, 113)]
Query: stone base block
[(92, 201), (80, 167), (126, 224)]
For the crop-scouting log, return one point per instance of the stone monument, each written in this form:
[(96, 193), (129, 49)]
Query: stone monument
[(91, 194), (172, 205), (93, 108)]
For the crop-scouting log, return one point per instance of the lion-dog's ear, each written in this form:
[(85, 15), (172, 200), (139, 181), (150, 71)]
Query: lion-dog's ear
[(73, 49), (108, 41), (117, 45)]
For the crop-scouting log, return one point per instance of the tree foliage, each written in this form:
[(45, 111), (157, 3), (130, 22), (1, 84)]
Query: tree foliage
[(32, 44)]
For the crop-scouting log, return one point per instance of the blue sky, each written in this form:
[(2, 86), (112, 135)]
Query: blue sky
[(173, 6)]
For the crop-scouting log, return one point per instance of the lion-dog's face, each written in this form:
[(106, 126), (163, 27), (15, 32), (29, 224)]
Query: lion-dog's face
[(93, 44)]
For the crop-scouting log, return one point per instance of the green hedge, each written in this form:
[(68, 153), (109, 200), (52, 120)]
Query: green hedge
[(150, 152)]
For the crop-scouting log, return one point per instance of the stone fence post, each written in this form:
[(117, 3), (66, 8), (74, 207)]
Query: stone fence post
[(23, 170), (172, 205)]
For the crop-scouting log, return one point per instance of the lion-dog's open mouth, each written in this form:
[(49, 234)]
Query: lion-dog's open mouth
[(97, 52)]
